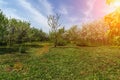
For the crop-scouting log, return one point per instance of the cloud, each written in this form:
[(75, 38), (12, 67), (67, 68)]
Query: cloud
[(9, 12), (90, 6), (35, 14), (48, 7), (63, 10), (2, 2), (25, 10), (73, 12), (12, 13), (73, 19)]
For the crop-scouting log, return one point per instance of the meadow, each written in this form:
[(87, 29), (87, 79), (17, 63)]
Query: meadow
[(44, 62), (82, 46)]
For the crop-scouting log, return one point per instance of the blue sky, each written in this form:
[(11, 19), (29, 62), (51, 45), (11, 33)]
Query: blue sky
[(73, 12)]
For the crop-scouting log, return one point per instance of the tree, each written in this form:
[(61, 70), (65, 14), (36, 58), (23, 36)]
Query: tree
[(72, 34), (113, 20), (53, 22), (37, 35), (14, 31), (23, 31), (61, 37), (3, 27), (94, 32), (18, 31)]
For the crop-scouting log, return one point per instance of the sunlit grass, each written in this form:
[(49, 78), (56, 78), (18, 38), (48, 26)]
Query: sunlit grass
[(79, 63)]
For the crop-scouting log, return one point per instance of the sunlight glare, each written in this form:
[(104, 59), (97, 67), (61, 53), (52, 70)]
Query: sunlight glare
[(116, 3)]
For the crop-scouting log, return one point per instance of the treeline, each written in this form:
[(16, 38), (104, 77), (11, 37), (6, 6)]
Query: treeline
[(105, 31), (14, 31), (102, 32), (90, 34)]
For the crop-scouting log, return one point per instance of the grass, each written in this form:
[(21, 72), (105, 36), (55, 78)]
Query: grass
[(79, 63)]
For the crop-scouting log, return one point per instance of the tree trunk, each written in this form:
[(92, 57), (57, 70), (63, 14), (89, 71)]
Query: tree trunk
[(55, 44)]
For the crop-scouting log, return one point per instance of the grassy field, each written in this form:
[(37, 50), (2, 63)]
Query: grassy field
[(79, 63)]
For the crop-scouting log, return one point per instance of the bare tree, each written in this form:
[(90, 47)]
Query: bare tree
[(53, 22)]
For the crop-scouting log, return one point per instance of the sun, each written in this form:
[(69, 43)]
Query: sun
[(116, 3), (113, 3)]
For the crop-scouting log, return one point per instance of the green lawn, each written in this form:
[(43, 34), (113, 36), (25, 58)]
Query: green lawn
[(82, 63)]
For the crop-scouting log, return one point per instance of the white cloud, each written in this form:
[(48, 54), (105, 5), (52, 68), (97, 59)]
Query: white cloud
[(73, 19), (90, 4), (63, 10), (88, 12), (9, 12), (48, 7), (35, 14), (12, 13), (2, 2)]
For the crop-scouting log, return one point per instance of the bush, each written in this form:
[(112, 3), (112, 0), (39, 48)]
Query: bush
[(3, 43), (22, 49), (82, 43), (61, 43), (116, 40)]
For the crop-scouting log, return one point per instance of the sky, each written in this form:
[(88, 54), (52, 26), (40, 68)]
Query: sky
[(73, 12)]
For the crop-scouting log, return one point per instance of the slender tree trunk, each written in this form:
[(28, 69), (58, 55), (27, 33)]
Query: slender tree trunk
[(55, 44)]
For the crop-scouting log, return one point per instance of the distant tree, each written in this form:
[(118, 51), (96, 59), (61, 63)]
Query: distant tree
[(18, 31), (89, 34), (35, 34), (42, 35), (94, 32), (14, 31), (23, 31), (61, 37), (3, 27), (53, 22), (72, 34)]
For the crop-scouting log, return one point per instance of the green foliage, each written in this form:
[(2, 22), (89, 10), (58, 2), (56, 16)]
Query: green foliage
[(3, 27), (61, 42), (18, 30), (60, 37), (53, 22), (22, 49), (14, 31), (116, 40), (72, 34), (37, 35)]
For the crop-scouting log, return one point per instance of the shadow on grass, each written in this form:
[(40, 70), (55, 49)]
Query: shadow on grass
[(33, 45), (74, 46), (18, 49), (6, 50)]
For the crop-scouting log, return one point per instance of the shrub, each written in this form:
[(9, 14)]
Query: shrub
[(22, 49), (61, 43), (116, 40), (82, 43)]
